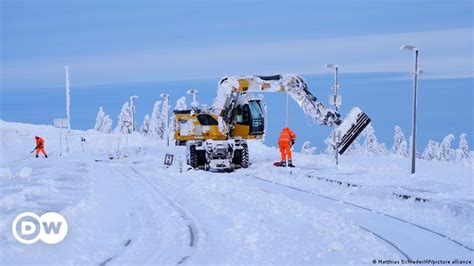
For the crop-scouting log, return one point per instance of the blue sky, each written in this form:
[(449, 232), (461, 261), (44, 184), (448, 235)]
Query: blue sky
[(132, 41)]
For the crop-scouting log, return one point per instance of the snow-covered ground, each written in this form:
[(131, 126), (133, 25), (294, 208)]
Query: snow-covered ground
[(134, 210)]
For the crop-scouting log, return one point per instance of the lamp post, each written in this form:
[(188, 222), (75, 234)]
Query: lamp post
[(335, 100), (416, 72), (68, 99), (133, 110), (165, 104)]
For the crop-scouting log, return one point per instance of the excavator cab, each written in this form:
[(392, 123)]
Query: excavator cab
[(249, 120)]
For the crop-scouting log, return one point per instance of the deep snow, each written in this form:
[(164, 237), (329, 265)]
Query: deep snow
[(134, 210)]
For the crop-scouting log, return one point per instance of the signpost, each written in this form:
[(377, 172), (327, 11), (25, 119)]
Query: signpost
[(61, 123), (168, 160)]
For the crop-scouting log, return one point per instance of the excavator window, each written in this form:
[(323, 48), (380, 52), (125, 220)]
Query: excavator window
[(207, 120), (257, 125)]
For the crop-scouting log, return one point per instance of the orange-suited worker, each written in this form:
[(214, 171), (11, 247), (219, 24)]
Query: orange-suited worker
[(40, 146), (286, 140)]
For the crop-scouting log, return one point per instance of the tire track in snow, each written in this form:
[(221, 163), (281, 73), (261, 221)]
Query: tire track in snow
[(193, 232), (370, 210)]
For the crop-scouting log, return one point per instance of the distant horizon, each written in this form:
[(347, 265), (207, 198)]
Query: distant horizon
[(403, 75)]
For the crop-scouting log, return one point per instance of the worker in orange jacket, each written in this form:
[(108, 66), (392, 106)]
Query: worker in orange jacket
[(40, 146), (286, 140)]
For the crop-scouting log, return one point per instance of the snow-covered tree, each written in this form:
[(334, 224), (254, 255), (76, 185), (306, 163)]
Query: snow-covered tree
[(145, 128), (307, 149), (124, 123), (103, 123), (155, 121), (107, 124), (431, 151), (370, 145), (463, 150), (163, 119), (400, 146), (99, 120), (181, 104), (445, 153)]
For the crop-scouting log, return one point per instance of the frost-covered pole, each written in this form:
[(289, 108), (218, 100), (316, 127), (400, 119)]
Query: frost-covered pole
[(336, 101), (68, 99), (195, 103), (166, 120), (132, 110), (287, 109), (416, 72)]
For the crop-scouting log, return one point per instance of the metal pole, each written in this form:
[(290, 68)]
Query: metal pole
[(415, 92), (167, 123), (287, 109), (166, 116), (335, 88), (68, 99), (133, 110), (60, 141), (337, 109)]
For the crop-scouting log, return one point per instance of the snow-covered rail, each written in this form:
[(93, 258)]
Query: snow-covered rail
[(193, 233), (407, 228)]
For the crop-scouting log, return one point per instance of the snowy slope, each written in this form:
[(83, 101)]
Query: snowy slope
[(133, 210)]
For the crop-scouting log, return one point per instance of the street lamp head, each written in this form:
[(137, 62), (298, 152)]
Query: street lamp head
[(409, 47), (331, 66), (163, 95)]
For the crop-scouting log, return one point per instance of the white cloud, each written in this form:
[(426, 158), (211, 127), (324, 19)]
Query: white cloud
[(442, 52)]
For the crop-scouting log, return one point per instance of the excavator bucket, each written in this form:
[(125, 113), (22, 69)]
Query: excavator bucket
[(349, 129)]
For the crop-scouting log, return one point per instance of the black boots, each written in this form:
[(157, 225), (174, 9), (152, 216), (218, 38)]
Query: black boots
[(36, 155), (45, 156)]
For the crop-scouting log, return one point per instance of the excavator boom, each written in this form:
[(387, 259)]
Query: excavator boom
[(345, 131)]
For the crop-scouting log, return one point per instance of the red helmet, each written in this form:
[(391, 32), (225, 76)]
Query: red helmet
[(36, 137)]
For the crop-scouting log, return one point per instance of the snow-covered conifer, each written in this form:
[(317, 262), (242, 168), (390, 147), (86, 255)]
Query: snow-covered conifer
[(155, 120), (145, 128), (163, 119), (370, 145), (124, 123), (103, 123), (99, 120), (463, 150), (107, 124), (181, 104), (431, 151), (400, 146), (307, 149), (445, 153)]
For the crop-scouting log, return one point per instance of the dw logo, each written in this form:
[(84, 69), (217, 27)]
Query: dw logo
[(28, 228)]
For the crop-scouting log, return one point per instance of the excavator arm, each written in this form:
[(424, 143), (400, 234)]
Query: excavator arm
[(345, 131)]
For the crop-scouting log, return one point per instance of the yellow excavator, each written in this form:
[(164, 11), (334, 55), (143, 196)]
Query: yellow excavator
[(216, 136)]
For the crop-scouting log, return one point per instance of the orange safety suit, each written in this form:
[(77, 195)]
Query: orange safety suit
[(40, 146), (287, 138)]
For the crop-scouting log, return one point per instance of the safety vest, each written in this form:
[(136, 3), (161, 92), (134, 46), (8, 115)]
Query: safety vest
[(40, 143), (286, 136)]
